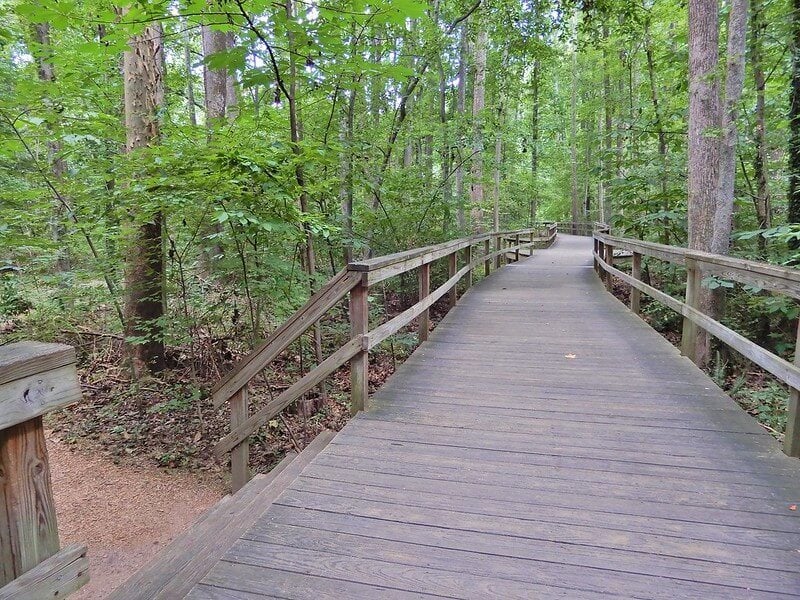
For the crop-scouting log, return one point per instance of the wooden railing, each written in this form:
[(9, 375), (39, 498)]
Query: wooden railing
[(582, 228), (485, 249), (763, 276)]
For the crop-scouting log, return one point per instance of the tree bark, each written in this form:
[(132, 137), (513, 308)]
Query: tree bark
[(478, 105), (143, 71), (794, 126), (534, 145), (573, 142), (659, 124), (704, 138), (58, 166), (734, 84), (461, 104), (704, 121), (762, 199)]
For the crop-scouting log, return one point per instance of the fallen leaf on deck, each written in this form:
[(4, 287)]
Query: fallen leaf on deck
[(570, 356)]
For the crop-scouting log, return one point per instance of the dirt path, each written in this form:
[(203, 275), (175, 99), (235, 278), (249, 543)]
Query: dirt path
[(124, 513)]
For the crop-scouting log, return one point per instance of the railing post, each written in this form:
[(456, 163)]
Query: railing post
[(516, 251), (35, 378), (609, 258), (452, 267), (240, 455), (468, 261), (791, 440), (689, 335), (424, 291), (359, 364), (498, 245), (636, 272), (487, 264), (601, 253)]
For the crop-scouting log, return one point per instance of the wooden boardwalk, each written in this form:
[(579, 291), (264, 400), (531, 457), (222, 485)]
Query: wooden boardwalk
[(544, 443)]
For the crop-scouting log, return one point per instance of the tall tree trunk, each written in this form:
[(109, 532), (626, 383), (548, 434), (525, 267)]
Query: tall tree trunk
[(216, 81), (704, 121), (762, 199), (534, 145), (704, 147), (734, 83), (794, 126), (187, 65), (143, 70), (445, 155), (215, 85), (461, 104), (573, 143), (346, 172), (58, 166), (498, 161), (659, 123), (608, 112), (478, 105)]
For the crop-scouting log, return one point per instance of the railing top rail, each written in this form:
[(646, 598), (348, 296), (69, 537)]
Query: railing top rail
[(784, 280), (387, 260)]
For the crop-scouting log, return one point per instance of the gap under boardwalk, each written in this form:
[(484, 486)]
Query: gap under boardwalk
[(545, 443)]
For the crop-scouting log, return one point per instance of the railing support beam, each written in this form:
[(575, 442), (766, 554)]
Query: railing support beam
[(791, 440), (240, 455), (636, 295), (690, 329), (359, 364), (424, 291)]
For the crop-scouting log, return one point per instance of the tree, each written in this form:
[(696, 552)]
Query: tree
[(143, 74)]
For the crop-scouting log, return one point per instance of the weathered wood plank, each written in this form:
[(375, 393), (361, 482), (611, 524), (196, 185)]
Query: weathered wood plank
[(28, 530), (23, 359), (56, 577), (33, 395)]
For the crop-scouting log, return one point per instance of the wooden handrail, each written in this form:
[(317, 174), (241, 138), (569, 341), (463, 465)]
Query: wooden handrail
[(356, 280), (761, 275)]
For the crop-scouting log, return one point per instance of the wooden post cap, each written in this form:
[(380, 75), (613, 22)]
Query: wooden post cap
[(35, 378)]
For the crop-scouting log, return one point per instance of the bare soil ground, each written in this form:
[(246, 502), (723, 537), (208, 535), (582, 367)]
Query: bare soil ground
[(124, 512)]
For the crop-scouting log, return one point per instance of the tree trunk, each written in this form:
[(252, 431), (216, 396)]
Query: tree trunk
[(346, 168), (794, 126), (608, 115), (573, 143), (215, 80), (734, 83), (762, 199), (478, 105), (143, 70), (704, 128), (659, 123), (187, 65), (534, 145), (461, 110), (58, 166)]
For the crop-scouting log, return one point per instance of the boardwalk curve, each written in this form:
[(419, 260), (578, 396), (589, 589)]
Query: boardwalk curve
[(544, 443)]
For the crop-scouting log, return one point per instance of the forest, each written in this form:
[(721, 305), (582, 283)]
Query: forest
[(177, 177)]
